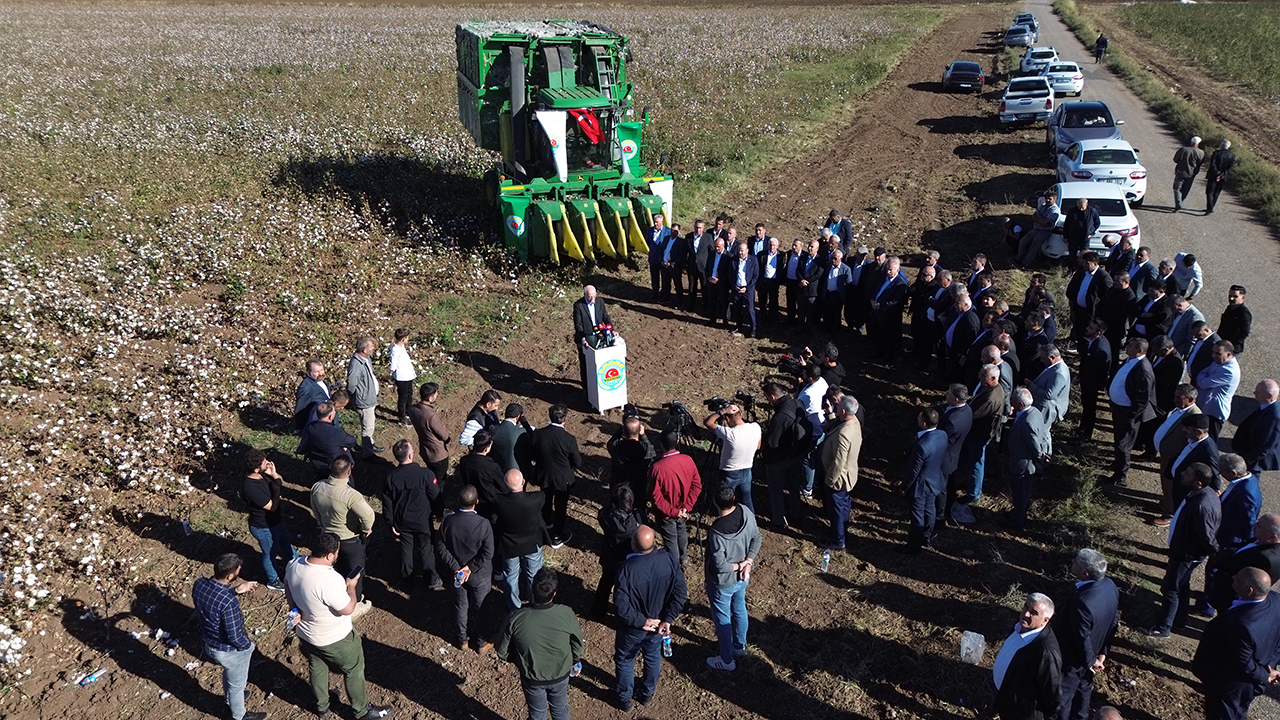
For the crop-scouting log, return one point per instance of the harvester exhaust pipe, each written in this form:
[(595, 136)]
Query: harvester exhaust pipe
[(519, 124)]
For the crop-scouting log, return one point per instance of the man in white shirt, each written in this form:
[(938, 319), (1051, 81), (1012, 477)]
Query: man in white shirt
[(403, 373), (325, 601), (772, 263), (739, 442), (810, 399), (1188, 273), (792, 274), (1028, 667)]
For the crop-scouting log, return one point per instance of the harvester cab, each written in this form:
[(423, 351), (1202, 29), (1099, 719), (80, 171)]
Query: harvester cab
[(553, 98)]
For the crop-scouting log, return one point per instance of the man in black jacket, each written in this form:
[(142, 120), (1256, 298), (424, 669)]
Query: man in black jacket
[(1080, 224), (674, 252), (588, 312), (631, 452), (1117, 312), (326, 440), (1220, 164), (1085, 292), (697, 246), (1192, 538), (888, 298), (772, 263), (519, 535), (479, 469), (1263, 553), (650, 594), (1132, 392), (466, 547), (407, 495), (782, 453), (811, 272), (1237, 320), (511, 439), (1154, 312), (955, 421), (1239, 649), (1028, 668), (1086, 625), (554, 456), (719, 281), (1095, 367)]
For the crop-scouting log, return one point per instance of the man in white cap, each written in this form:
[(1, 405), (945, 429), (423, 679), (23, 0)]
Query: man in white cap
[(1186, 162)]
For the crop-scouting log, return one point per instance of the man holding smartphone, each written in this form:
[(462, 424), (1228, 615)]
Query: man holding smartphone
[(325, 603), (343, 511)]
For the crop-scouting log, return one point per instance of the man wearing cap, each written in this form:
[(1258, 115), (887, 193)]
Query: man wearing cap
[(1186, 165), (840, 227)]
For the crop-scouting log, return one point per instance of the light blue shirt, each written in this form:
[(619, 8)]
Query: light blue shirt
[(666, 253), (1012, 644), (742, 273), (771, 266), (715, 266), (1217, 384), (792, 266), (1117, 391)]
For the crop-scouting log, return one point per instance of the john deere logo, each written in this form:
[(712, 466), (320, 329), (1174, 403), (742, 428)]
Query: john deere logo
[(515, 224), (612, 375), (628, 149)]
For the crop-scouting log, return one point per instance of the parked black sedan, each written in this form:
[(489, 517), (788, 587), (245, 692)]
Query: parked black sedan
[(962, 75)]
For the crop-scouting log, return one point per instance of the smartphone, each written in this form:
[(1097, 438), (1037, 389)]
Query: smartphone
[(355, 572)]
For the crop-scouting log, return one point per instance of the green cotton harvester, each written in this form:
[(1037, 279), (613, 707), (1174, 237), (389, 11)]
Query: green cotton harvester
[(554, 99)]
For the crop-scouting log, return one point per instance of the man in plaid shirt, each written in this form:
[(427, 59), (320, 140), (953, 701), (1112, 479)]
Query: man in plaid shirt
[(225, 639)]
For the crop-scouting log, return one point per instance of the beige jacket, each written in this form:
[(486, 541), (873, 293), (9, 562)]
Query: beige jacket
[(340, 508), (839, 455)]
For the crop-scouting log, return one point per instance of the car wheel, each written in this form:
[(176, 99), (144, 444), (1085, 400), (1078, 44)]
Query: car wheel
[(1138, 202)]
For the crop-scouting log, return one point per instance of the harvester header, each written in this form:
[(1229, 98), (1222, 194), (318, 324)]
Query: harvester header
[(554, 99)]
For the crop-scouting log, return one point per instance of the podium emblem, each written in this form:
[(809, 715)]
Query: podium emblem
[(612, 375)]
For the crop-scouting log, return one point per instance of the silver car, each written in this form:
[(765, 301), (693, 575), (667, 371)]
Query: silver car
[(1019, 36), (1072, 122)]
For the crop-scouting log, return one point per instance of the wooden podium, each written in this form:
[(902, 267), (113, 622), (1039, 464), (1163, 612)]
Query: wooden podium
[(607, 376)]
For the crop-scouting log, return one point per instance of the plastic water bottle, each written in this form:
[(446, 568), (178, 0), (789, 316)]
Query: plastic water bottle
[(291, 623), (93, 677), (186, 526), (826, 560), (666, 645), (577, 670), (457, 579), (972, 645)]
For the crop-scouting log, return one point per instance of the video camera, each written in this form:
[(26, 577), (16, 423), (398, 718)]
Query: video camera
[(743, 398), (716, 404), (679, 418)]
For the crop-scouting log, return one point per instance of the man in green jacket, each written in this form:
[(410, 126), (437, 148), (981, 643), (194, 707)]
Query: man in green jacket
[(342, 510), (544, 642)]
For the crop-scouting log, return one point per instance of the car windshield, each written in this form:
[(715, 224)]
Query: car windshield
[(1042, 55), (1108, 156), (1019, 86), (1015, 31), (1093, 117), (965, 67), (1062, 68)]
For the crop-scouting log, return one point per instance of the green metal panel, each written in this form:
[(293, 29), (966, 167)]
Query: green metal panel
[(515, 222), (573, 98)]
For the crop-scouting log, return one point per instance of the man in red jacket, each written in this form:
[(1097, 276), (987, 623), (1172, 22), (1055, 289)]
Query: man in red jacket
[(676, 484)]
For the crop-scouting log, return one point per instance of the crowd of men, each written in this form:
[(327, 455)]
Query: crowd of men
[(1007, 388)]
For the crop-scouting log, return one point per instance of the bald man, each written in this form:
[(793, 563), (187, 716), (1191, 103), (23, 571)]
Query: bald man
[(1106, 712), (649, 596), (1258, 437), (1239, 648), (588, 312), (519, 535)]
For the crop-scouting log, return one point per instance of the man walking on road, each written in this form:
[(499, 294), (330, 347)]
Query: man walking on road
[(1186, 161), (1215, 178), (650, 594)]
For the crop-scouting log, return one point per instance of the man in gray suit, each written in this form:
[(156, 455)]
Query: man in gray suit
[(1028, 454), (1052, 387), (363, 386), (1184, 315)]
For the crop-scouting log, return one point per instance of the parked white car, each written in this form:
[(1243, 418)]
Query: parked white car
[(1036, 59), (1113, 211), (1065, 77), (1105, 161), (1026, 100)]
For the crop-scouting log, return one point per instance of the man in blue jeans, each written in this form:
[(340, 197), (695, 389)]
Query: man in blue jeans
[(739, 441), (732, 545), (649, 595), (261, 494), (225, 639), (519, 535), (544, 642)]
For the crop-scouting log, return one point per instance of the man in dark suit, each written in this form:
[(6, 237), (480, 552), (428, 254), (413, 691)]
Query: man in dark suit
[(792, 272), (988, 411), (1028, 667), (1141, 271), (466, 546), (841, 228), (1215, 178), (312, 391), (408, 493), (697, 246), (656, 237), (479, 469), (1095, 367), (519, 534), (812, 273), (511, 439), (1239, 650), (955, 421), (1080, 223), (674, 252), (1032, 338), (1084, 294), (744, 273), (1258, 437), (1164, 273), (833, 286), (1085, 626), (958, 336), (925, 481), (772, 263), (1203, 338), (922, 323), (588, 312), (941, 312), (554, 455), (1121, 257), (1028, 453), (1154, 313), (1199, 448), (631, 452), (1192, 538), (887, 302), (1262, 553), (1132, 393), (1241, 502), (1116, 311), (326, 440), (718, 281), (1168, 368)]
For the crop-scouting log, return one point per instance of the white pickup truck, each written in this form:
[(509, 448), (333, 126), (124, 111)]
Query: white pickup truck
[(1026, 100)]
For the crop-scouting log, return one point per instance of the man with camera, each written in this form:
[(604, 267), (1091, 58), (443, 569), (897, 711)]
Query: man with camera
[(739, 441)]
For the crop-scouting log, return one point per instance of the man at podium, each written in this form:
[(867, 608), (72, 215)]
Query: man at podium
[(588, 312)]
